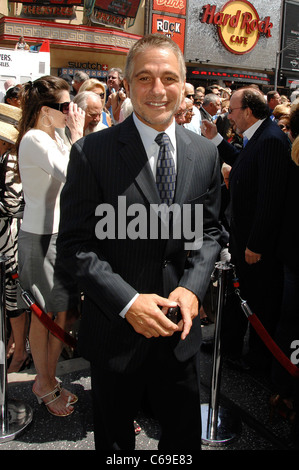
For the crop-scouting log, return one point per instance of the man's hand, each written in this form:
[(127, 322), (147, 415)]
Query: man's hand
[(75, 121), (147, 318), (251, 257), (188, 303), (208, 129)]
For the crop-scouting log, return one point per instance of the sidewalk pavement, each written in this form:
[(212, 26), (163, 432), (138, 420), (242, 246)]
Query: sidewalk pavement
[(243, 409)]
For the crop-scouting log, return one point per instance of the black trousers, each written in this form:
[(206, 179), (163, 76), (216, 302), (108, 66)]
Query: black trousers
[(173, 393), (261, 284)]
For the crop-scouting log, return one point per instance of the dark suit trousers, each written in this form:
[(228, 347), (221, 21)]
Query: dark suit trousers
[(261, 285), (172, 389)]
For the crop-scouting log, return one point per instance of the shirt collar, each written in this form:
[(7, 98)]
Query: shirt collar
[(148, 134), (251, 130)]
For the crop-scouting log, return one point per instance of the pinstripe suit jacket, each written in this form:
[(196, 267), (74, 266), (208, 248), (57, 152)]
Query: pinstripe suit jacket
[(104, 166), (258, 182)]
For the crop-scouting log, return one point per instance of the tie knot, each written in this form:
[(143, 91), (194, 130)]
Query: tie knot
[(162, 139)]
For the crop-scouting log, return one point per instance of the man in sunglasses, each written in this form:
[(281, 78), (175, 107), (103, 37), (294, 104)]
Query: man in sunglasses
[(193, 124), (257, 184)]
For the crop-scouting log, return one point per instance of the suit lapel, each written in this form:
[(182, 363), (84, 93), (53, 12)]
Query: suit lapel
[(184, 166), (248, 149), (135, 156)]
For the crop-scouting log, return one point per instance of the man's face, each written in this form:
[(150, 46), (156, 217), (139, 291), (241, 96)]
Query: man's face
[(198, 99), (181, 113), (237, 115), (93, 114), (216, 91), (213, 108), (189, 91), (189, 113), (156, 87), (276, 100), (113, 81)]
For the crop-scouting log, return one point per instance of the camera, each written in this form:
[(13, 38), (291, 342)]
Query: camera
[(174, 314)]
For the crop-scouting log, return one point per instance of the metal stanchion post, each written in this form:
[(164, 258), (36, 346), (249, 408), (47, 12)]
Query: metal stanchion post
[(15, 415), (219, 426)]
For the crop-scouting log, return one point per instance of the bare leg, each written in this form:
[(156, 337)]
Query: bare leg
[(64, 320), (44, 382), (19, 326)]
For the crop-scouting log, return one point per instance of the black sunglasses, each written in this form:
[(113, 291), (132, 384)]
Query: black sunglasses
[(62, 107)]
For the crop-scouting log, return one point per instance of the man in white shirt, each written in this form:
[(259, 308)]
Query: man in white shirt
[(195, 123)]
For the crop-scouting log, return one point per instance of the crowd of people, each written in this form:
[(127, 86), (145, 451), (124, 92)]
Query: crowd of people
[(70, 144)]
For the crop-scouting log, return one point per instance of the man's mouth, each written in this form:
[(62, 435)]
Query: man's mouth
[(156, 104)]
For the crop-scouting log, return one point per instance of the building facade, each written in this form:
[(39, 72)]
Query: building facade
[(75, 43), (230, 42)]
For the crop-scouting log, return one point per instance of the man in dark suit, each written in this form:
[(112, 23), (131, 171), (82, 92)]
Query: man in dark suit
[(257, 184), (129, 273), (210, 107)]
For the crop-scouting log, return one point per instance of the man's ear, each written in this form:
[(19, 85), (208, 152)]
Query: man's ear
[(127, 87)]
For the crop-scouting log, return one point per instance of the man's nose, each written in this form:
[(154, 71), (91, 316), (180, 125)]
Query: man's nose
[(158, 86)]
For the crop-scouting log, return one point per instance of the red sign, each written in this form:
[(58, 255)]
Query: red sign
[(230, 75), (171, 6), (125, 8), (171, 26), (48, 12), (51, 2)]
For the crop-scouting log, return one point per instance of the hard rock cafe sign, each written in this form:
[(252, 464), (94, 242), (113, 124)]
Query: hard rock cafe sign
[(238, 23)]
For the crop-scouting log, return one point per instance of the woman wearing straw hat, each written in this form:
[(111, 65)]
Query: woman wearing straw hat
[(11, 212), (43, 160)]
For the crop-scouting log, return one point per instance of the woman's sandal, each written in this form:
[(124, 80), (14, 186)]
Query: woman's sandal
[(70, 396), (279, 406), (54, 396)]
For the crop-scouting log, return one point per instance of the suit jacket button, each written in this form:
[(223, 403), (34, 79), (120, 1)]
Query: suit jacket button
[(165, 262)]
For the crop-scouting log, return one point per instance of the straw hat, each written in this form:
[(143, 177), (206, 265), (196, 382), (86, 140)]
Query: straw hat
[(9, 118)]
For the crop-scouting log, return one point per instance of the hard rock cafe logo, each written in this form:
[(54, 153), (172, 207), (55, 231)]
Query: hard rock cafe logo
[(238, 23)]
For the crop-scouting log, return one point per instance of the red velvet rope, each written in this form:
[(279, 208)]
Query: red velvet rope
[(268, 341), (55, 329), (272, 346)]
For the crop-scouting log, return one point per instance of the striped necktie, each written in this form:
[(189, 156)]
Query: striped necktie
[(245, 141), (165, 173)]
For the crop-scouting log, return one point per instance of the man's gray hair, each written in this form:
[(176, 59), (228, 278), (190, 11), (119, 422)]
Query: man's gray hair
[(82, 97), (210, 98), (154, 40), (80, 76), (119, 71)]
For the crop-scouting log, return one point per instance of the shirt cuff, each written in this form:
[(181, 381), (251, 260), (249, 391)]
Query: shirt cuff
[(217, 140), (124, 310)]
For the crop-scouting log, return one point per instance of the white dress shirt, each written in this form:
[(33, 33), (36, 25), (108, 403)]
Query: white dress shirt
[(248, 133), (148, 135)]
